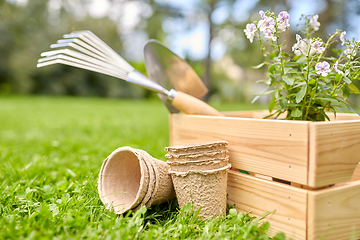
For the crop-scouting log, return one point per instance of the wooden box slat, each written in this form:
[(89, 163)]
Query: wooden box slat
[(274, 148), (260, 196), (333, 213), (306, 153), (334, 151)]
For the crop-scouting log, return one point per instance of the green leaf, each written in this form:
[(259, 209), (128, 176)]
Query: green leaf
[(266, 93), (301, 94), (285, 54), (325, 115), (278, 112), (287, 69), (272, 55), (294, 105), (296, 112), (312, 82), (262, 81), (353, 110), (330, 58), (257, 96), (341, 104), (255, 99), (338, 77), (288, 80), (346, 92), (302, 59), (258, 66), (283, 104), (279, 236), (272, 68), (353, 88), (347, 80), (293, 64), (272, 104)]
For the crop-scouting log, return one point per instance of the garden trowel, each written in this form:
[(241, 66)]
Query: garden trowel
[(170, 71)]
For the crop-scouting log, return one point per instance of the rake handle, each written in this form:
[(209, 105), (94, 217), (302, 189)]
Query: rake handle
[(192, 105)]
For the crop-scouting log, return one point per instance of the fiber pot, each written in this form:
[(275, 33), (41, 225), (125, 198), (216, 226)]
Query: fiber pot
[(123, 180), (197, 148), (163, 190), (201, 156), (152, 180), (206, 189), (205, 164)]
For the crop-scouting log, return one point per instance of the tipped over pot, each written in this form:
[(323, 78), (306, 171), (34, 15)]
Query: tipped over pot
[(130, 178)]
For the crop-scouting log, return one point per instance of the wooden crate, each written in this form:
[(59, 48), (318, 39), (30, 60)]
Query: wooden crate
[(313, 154), (304, 171)]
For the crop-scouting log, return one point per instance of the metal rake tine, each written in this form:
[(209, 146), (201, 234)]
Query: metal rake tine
[(66, 60), (73, 64), (84, 50), (80, 56), (82, 46), (137, 79), (90, 37), (85, 45), (93, 39), (106, 47)]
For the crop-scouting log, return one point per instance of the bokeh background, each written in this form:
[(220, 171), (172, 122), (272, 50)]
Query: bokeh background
[(206, 33)]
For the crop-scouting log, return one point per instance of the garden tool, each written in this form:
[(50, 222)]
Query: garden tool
[(170, 71), (91, 53)]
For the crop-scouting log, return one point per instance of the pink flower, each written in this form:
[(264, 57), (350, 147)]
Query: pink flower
[(336, 69), (250, 31), (301, 46), (283, 21), (342, 38), (323, 68), (267, 23), (269, 34), (262, 14), (314, 22), (316, 47), (349, 51)]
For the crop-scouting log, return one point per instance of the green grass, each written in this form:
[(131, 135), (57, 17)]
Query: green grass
[(51, 151)]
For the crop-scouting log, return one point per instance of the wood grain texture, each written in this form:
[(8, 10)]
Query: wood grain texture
[(343, 116), (329, 213), (260, 196), (312, 154), (334, 213), (334, 151), (356, 174), (273, 148)]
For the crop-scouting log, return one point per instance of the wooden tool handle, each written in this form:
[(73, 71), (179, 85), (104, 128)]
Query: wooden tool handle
[(191, 105)]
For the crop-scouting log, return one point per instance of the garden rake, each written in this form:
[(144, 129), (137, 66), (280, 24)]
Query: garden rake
[(85, 50)]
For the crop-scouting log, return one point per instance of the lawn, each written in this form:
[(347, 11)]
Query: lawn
[(51, 151)]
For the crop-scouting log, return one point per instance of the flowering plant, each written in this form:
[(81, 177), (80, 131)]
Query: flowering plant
[(306, 83)]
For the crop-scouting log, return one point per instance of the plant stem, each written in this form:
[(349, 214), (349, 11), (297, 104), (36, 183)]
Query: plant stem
[(262, 47), (307, 85)]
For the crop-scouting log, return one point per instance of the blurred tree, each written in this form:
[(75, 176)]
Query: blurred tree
[(27, 28)]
